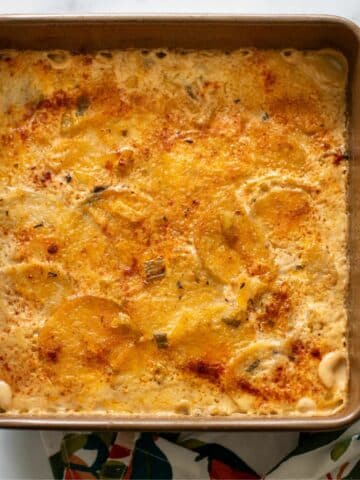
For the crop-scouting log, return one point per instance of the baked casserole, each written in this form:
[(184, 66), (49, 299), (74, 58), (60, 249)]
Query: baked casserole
[(173, 232)]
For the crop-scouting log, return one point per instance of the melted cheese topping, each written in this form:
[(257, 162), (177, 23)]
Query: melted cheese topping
[(173, 232)]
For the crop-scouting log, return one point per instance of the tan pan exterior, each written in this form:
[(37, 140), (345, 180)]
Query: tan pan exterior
[(225, 32)]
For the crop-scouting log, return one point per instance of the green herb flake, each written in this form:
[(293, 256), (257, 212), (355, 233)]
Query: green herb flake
[(231, 322), (253, 366), (190, 92), (82, 105), (155, 269), (99, 188), (161, 340)]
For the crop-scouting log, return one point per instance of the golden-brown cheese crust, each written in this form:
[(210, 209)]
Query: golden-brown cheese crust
[(173, 230)]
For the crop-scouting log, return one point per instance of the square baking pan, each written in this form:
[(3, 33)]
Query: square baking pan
[(206, 32)]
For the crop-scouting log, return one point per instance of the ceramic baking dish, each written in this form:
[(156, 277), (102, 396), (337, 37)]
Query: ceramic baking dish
[(224, 32)]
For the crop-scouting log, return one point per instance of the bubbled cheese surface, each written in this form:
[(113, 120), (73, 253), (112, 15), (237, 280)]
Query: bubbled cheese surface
[(173, 231)]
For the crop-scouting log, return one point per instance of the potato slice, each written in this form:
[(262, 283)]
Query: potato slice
[(40, 285), (326, 66), (104, 241), (32, 219), (318, 269), (122, 202), (230, 243), (86, 336), (39, 208), (96, 261), (285, 213), (255, 358), (248, 370)]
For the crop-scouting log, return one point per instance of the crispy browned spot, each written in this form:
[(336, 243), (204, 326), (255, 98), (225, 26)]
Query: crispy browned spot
[(286, 383), (275, 310), (58, 100), (53, 248), (247, 387), (269, 81), (315, 352), (52, 354), (204, 369)]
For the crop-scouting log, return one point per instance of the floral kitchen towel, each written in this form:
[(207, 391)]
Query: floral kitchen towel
[(127, 455)]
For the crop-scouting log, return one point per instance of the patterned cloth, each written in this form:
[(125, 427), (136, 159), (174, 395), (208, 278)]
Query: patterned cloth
[(125, 455)]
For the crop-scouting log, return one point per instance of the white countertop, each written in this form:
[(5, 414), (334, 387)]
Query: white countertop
[(346, 8), (21, 453)]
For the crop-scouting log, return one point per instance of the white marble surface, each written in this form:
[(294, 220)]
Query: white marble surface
[(21, 453), (347, 8)]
